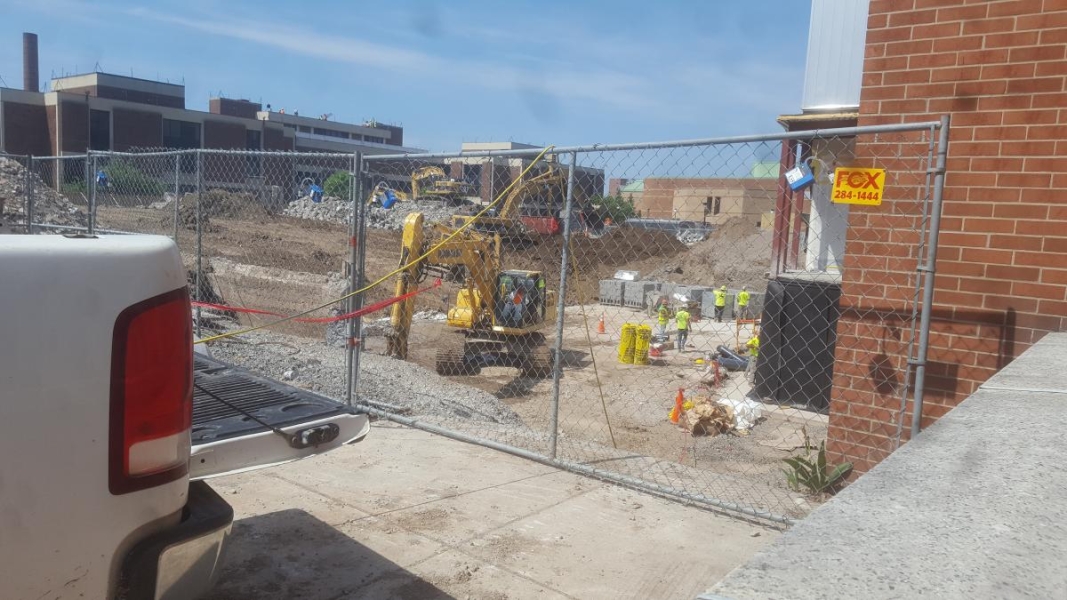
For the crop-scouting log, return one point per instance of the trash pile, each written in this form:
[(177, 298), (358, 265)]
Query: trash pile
[(701, 415), (49, 207)]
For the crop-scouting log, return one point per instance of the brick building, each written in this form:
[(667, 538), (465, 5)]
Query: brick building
[(998, 68), (706, 200), (103, 111)]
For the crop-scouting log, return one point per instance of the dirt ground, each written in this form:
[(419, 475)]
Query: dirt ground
[(626, 407)]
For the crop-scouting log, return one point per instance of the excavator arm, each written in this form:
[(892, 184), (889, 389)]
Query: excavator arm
[(479, 257)]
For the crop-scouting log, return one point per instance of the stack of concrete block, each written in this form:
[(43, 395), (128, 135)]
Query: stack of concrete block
[(611, 292), (634, 293)]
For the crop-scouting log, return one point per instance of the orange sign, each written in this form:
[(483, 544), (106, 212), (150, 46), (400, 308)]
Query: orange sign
[(858, 186)]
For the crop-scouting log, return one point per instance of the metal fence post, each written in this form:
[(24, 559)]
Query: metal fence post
[(92, 197), (355, 273), (928, 284), (557, 364), (177, 195), (199, 238), (32, 167)]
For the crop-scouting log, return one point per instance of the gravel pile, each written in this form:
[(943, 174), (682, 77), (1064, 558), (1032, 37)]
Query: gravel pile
[(49, 207), (321, 368), (337, 210)]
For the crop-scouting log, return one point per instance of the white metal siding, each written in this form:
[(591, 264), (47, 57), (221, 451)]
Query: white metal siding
[(833, 74)]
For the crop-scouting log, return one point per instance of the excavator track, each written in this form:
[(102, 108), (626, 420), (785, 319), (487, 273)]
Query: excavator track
[(537, 362), (451, 360)]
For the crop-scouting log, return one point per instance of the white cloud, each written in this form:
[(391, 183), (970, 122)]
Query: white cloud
[(620, 90)]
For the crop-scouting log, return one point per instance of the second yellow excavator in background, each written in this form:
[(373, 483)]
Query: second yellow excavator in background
[(544, 190), (427, 183), (500, 314)]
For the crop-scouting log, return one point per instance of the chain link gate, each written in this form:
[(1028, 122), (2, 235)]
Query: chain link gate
[(631, 242), (543, 291)]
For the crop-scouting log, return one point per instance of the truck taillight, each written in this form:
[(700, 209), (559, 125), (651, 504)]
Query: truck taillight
[(151, 393)]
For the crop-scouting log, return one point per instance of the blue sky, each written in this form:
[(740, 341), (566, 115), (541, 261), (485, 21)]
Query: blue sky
[(543, 72)]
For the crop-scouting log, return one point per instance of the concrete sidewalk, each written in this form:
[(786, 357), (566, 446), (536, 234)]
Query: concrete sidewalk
[(410, 515), (971, 508)]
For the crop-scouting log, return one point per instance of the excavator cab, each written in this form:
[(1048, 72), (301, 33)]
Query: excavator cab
[(520, 301)]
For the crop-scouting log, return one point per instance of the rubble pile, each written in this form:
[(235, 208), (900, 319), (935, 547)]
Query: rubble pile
[(49, 207), (338, 210)]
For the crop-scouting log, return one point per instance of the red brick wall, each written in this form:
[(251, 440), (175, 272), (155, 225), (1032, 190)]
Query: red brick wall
[(25, 129), (998, 68)]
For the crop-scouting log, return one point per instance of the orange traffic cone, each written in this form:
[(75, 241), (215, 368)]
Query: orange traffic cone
[(676, 412), (600, 328)]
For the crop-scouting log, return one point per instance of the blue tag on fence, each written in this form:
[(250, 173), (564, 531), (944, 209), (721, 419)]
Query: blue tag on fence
[(799, 177)]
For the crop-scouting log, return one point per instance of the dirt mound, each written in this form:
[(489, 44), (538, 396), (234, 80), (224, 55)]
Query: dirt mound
[(737, 253), (49, 207), (221, 204), (594, 258)]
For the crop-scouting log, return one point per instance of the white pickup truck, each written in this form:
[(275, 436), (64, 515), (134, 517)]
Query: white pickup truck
[(109, 423)]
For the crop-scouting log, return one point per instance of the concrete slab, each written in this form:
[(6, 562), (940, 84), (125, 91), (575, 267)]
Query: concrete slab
[(971, 508), (389, 469), (409, 515), (616, 543)]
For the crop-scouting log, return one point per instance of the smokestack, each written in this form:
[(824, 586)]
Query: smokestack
[(30, 77)]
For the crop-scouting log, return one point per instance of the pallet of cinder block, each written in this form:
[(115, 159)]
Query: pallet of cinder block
[(633, 294), (611, 292)]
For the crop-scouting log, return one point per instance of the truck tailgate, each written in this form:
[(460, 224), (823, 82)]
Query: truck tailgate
[(242, 421)]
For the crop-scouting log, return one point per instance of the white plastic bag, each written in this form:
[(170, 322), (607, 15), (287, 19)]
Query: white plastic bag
[(746, 412)]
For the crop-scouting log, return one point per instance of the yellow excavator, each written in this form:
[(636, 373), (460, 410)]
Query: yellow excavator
[(432, 182), (549, 184), (500, 313), (426, 183)]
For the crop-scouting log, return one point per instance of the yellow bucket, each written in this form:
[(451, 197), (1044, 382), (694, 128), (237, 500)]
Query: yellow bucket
[(626, 343), (644, 339)]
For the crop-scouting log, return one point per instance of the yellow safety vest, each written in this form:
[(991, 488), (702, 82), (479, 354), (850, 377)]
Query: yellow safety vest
[(753, 347), (742, 298), (720, 298), (664, 315), (682, 317)]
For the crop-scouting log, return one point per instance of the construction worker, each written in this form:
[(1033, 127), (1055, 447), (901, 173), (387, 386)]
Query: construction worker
[(720, 303), (753, 356), (742, 302), (682, 319), (664, 315)]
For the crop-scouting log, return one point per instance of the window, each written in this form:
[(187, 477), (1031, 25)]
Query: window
[(99, 130), (253, 141), (712, 205), (472, 176), (375, 139), (304, 129), (331, 133), (182, 135)]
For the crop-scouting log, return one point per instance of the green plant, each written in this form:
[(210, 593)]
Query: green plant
[(616, 208), (124, 178), (339, 184), (815, 476)]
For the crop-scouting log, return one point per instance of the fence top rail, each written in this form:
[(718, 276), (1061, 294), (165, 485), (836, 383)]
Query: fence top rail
[(193, 151), (766, 137)]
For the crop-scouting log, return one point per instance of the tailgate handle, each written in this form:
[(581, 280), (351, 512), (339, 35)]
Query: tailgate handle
[(314, 436)]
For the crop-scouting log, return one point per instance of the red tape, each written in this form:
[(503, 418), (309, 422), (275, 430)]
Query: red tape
[(351, 315)]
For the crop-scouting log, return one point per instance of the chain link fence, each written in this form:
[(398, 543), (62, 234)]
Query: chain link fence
[(665, 316)]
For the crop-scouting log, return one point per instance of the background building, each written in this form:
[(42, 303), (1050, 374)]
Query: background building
[(103, 111), (704, 200)]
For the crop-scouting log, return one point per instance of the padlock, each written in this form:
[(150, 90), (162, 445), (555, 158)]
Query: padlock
[(799, 177)]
